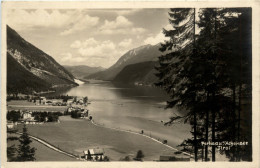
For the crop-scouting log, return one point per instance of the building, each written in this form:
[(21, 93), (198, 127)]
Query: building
[(10, 125), (43, 100), (30, 121), (27, 118), (95, 154), (26, 115)]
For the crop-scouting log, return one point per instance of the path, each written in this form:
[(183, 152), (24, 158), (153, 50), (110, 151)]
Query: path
[(50, 146), (74, 156)]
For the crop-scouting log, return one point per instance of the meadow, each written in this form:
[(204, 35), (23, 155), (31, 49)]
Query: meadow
[(76, 135)]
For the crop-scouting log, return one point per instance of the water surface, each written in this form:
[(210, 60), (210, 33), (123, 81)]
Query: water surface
[(132, 108)]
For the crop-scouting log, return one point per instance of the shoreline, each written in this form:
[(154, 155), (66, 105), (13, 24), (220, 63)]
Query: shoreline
[(56, 147), (136, 133)]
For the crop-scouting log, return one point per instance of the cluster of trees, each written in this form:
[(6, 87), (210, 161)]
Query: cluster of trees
[(207, 71), (13, 116), (63, 97), (139, 157), (24, 152), (15, 97), (50, 116), (38, 116), (75, 113)]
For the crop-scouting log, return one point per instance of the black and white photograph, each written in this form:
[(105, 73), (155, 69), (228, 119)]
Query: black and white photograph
[(158, 84)]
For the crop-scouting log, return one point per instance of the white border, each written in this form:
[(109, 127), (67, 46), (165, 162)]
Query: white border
[(137, 4)]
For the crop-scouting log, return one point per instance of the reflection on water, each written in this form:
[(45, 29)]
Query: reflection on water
[(133, 108)]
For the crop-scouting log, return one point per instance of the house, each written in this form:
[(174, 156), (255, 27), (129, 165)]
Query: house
[(30, 121), (174, 158), (43, 100), (27, 118), (95, 154), (10, 125), (26, 115)]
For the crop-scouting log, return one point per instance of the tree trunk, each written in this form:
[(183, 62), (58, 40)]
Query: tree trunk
[(194, 112), (213, 126), (213, 97), (195, 137), (207, 130), (240, 90), (202, 153)]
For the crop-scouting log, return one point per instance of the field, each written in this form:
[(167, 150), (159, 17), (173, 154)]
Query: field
[(74, 136), (25, 105), (43, 153)]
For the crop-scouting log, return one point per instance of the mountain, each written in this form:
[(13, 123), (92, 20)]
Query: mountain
[(141, 54), (138, 74), (29, 68), (18, 78), (82, 71)]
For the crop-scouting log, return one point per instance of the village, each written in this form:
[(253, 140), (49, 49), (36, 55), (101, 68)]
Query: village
[(38, 110), (41, 110)]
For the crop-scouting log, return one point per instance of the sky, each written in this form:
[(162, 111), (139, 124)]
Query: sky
[(93, 37)]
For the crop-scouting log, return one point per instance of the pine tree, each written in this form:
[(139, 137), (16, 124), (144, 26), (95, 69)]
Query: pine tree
[(220, 43), (209, 78), (175, 72), (25, 152), (11, 153)]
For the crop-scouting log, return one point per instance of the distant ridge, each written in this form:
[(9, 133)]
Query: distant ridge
[(137, 55), (81, 71), (138, 74)]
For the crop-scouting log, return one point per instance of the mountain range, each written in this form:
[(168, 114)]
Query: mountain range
[(138, 74), (30, 69), (129, 63), (82, 71)]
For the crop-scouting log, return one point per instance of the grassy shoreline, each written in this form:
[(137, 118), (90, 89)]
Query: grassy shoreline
[(74, 136)]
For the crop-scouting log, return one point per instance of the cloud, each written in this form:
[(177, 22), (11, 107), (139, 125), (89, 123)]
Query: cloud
[(72, 20), (101, 50), (118, 11), (83, 44), (69, 58), (121, 25), (101, 53), (120, 22), (76, 44), (158, 38), (80, 23), (24, 19), (125, 43)]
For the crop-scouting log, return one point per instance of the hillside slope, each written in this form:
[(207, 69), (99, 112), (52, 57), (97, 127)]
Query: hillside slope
[(138, 74), (141, 54), (34, 63), (18, 78)]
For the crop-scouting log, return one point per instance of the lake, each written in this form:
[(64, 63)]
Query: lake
[(132, 108)]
